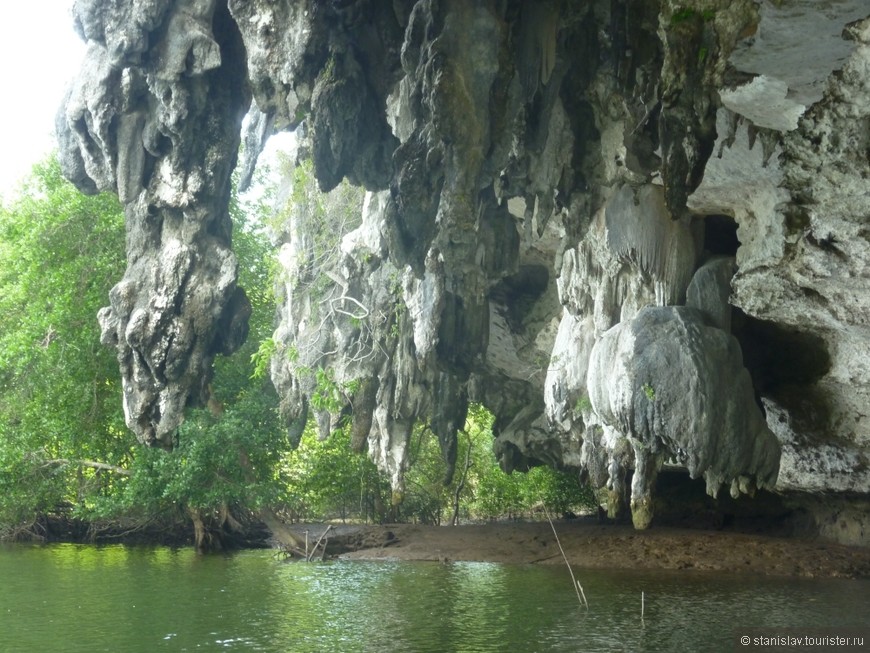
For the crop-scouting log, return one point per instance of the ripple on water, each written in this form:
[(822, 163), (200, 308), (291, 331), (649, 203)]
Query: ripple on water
[(111, 598)]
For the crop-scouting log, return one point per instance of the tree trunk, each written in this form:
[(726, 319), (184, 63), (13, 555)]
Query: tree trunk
[(284, 536), (205, 539), (461, 484)]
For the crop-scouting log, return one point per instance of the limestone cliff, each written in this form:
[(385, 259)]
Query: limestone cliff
[(155, 115), (636, 231)]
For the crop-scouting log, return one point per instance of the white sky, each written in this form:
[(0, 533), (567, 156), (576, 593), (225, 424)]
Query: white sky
[(39, 54)]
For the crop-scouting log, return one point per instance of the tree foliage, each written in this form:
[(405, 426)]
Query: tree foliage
[(328, 480), (486, 492), (60, 251)]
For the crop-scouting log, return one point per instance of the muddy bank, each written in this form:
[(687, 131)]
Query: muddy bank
[(587, 544), (593, 545)]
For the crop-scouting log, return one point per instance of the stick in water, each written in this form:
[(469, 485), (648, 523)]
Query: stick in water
[(317, 544), (584, 594), (641, 604), (575, 582)]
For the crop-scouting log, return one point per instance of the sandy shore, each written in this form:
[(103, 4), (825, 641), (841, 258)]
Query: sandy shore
[(592, 545)]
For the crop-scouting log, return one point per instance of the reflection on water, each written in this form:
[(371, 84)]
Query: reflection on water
[(115, 598)]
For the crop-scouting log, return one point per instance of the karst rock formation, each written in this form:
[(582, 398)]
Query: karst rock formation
[(637, 231)]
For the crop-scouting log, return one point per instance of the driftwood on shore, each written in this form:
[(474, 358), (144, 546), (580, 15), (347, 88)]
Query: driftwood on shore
[(287, 540)]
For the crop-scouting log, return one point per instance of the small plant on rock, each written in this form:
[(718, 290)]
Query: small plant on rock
[(649, 391)]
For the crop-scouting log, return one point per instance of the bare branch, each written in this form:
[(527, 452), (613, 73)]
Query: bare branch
[(88, 463), (361, 316)]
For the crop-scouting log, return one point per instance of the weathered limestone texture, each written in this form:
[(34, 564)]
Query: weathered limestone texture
[(675, 388), (155, 115), (637, 231)]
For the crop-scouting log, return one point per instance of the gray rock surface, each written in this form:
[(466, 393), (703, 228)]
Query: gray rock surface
[(155, 115), (667, 387), (710, 292), (567, 203)]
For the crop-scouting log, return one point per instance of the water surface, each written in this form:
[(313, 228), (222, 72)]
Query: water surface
[(116, 598)]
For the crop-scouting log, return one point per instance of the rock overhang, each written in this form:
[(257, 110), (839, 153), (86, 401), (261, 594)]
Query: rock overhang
[(490, 151)]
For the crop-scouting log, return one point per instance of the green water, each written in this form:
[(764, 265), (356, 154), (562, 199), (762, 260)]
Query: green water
[(115, 598)]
